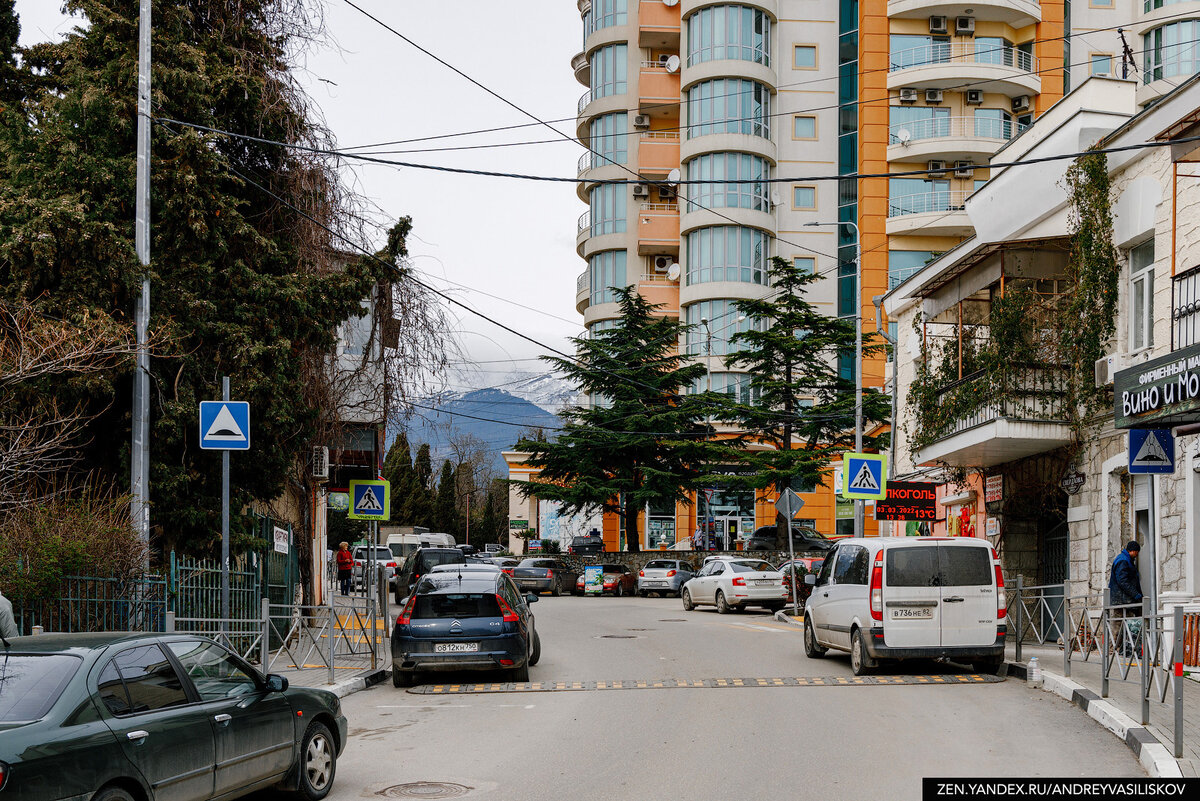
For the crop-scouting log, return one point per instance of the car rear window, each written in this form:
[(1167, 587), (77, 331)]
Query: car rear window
[(459, 605), (660, 564), (751, 567), (965, 566), (912, 567), (29, 685), (613, 568), (431, 558)]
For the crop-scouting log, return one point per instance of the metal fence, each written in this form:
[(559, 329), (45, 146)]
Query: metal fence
[(86, 603), (1123, 639)]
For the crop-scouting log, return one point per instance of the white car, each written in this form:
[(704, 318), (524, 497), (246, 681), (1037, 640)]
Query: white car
[(735, 583), (383, 558), (888, 598)]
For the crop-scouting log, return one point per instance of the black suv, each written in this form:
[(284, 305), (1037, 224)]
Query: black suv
[(418, 564), (591, 543), (803, 539)]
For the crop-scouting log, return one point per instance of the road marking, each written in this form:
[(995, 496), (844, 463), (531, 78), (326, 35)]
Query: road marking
[(674, 684)]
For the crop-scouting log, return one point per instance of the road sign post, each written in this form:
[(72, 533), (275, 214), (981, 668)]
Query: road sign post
[(1152, 452), (225, 426), (788, 505)]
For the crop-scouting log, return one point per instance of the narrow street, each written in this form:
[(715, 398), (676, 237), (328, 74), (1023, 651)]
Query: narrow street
[(835, 742)]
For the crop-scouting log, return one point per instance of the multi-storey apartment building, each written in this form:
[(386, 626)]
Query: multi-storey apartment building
[(770, 101)]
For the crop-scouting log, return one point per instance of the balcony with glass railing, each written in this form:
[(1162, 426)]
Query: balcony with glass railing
[(935, 213), (1017, 13), (949, 138), (942, 65)]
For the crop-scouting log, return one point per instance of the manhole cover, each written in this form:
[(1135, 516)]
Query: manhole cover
[(618, 637), (673, 620), (425, 790)]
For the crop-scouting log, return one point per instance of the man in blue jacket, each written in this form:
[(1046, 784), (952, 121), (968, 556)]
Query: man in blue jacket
[(1124, 585)]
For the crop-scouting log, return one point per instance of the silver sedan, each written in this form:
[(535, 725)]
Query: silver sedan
[(664, 576)]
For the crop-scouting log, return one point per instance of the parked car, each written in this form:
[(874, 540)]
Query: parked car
[(420, 562), (664, 575), (362, 562), (765, 538), (506, 563), (803, 566), (469, 567), (544, 575), (468, 550), (590, 543), (477, 620), (135, 713), (732, 583), (617, 579), (887, 598)]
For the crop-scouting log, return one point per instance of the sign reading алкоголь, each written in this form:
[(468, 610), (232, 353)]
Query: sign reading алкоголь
[(1161, 393)]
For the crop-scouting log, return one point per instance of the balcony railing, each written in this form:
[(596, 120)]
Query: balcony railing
[(1185, 309), (927, 202), (585, 162), (585, 220), (1027, 392), (584, 99), (660, 207), (953, 127), (583, 282), (972, 52), (669, 135)]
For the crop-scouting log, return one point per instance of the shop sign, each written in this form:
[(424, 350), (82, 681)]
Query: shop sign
[(992, 527), (1160, 393), (517, 525), (908, 500), (993, 489)]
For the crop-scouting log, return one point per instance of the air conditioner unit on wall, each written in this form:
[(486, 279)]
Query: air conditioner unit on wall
[(1020, 103), (320, 463), (662, 264), (936, 167), (665, 192), (1107, 367), (908, 95), (974, 97), (933, 95), (641, 120), (937, 24), (641, 190), (964, 169), (964, 26)]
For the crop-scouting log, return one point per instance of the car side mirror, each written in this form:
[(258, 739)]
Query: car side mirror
[(276, 683), (810, 580), (530, 598)]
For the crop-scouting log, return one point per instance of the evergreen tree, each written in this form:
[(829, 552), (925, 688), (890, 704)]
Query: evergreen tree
[(792, 353), (398, 470), (493, 521), (421, 499), (445, 505), (642, 439)]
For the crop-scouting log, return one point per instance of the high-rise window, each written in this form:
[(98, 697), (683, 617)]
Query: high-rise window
[(609, 68), (608, 209), (1101, 64), (1171, 50), (727, 253), (994, 123), (804, 57), (724, 320), (1141, 296), (607, 271), (606, 13), (805, 265), (735, 385), (921, 122), (609, 135), (723, 169), (915, 50), (917, 196), (903, 263), (729, 105), (736, 33), (804, 197), (804, 126)]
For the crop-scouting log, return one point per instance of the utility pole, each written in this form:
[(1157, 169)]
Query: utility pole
[(139, 457)]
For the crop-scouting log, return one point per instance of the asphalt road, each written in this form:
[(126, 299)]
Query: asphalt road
[(809, 741)]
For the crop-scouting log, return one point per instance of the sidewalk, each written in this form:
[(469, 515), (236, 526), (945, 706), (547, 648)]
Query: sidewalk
[(1121, 711)]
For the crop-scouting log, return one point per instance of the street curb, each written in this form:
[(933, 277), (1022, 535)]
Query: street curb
[(365, 679), (784, 617), (1155, 757)]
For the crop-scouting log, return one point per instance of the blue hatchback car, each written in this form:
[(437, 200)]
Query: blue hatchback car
[(468, 620)]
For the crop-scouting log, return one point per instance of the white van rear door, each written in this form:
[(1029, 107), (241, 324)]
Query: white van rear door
[(911, 596), (968, 593)]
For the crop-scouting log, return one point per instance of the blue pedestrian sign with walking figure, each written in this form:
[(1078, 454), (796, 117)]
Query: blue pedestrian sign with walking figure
[(225, 425), (370, 500), (1151, 450), (864, 476)]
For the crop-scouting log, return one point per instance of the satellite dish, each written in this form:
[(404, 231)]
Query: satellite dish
[(673, 272), (670, 3), (673, 64), (904, 136), (776, 199), (673, 176)]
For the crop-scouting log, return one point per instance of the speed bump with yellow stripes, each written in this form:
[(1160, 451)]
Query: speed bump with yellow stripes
[(693, 684)]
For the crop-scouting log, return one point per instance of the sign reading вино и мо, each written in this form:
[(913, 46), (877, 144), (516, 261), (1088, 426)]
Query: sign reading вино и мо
[(1161, 393)]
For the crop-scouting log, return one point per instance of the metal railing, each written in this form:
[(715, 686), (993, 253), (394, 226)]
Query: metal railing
[(585, 163), (584, 282), (972, 52), (954, 127), (1123, 638), (660, 207), (1031, 392), (1185, 308), (669, 135), (585, 221), (584, 99), (927, 202)]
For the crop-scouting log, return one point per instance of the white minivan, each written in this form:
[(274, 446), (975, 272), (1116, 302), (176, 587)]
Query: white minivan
[(883, 598)]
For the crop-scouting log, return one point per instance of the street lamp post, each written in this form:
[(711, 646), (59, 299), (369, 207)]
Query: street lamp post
[(858, 388)]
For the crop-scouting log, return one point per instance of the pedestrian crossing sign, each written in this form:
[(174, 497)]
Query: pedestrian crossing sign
[(370, 500), (864, 476)]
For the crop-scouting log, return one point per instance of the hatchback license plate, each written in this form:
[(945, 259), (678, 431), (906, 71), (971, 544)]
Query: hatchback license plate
[(763, 582), (455, 647), (917, 613)]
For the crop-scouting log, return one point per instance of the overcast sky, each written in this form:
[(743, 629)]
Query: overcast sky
[(511, 239)]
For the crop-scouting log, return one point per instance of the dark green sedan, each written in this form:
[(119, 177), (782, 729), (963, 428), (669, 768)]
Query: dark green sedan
[(153, 717)]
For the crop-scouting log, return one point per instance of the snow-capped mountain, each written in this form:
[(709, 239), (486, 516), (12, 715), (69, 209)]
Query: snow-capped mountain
[(546, 390)]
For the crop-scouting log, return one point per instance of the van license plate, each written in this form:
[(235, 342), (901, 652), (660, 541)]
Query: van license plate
[(455, 647), (916, 613)]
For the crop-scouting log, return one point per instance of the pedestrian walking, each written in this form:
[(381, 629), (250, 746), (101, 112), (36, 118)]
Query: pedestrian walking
[(8, 624), (345, 563), (1125, 588)]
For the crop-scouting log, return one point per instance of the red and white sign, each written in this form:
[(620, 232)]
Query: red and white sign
[(993, 489)]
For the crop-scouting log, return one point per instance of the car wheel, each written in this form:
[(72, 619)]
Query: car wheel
[(618, 590), (536, 654), (556, 590), (112, 794), (402, 678), (318, 763), (722, 605), (811, 649), (520, 674), (860, 661), (687, 600)]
